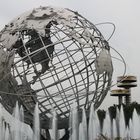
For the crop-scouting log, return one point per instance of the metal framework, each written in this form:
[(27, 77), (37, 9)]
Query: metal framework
[(56, 69)]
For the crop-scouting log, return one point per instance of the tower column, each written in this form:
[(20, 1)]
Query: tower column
[(120, 100), (127, 100)]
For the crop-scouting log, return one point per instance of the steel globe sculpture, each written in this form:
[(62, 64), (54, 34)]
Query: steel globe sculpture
[(55, 57)]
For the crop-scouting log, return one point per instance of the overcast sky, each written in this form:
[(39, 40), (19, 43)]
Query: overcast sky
[(125, 14)]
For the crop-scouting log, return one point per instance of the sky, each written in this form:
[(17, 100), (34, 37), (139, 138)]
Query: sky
[(125, 14)]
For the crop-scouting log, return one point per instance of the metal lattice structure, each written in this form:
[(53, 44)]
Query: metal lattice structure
[(54, 57)]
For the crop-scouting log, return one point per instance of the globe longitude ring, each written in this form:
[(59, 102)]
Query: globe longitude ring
[(55, 57)]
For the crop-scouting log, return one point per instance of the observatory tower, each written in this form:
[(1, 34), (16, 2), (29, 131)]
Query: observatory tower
[(125, 83)]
